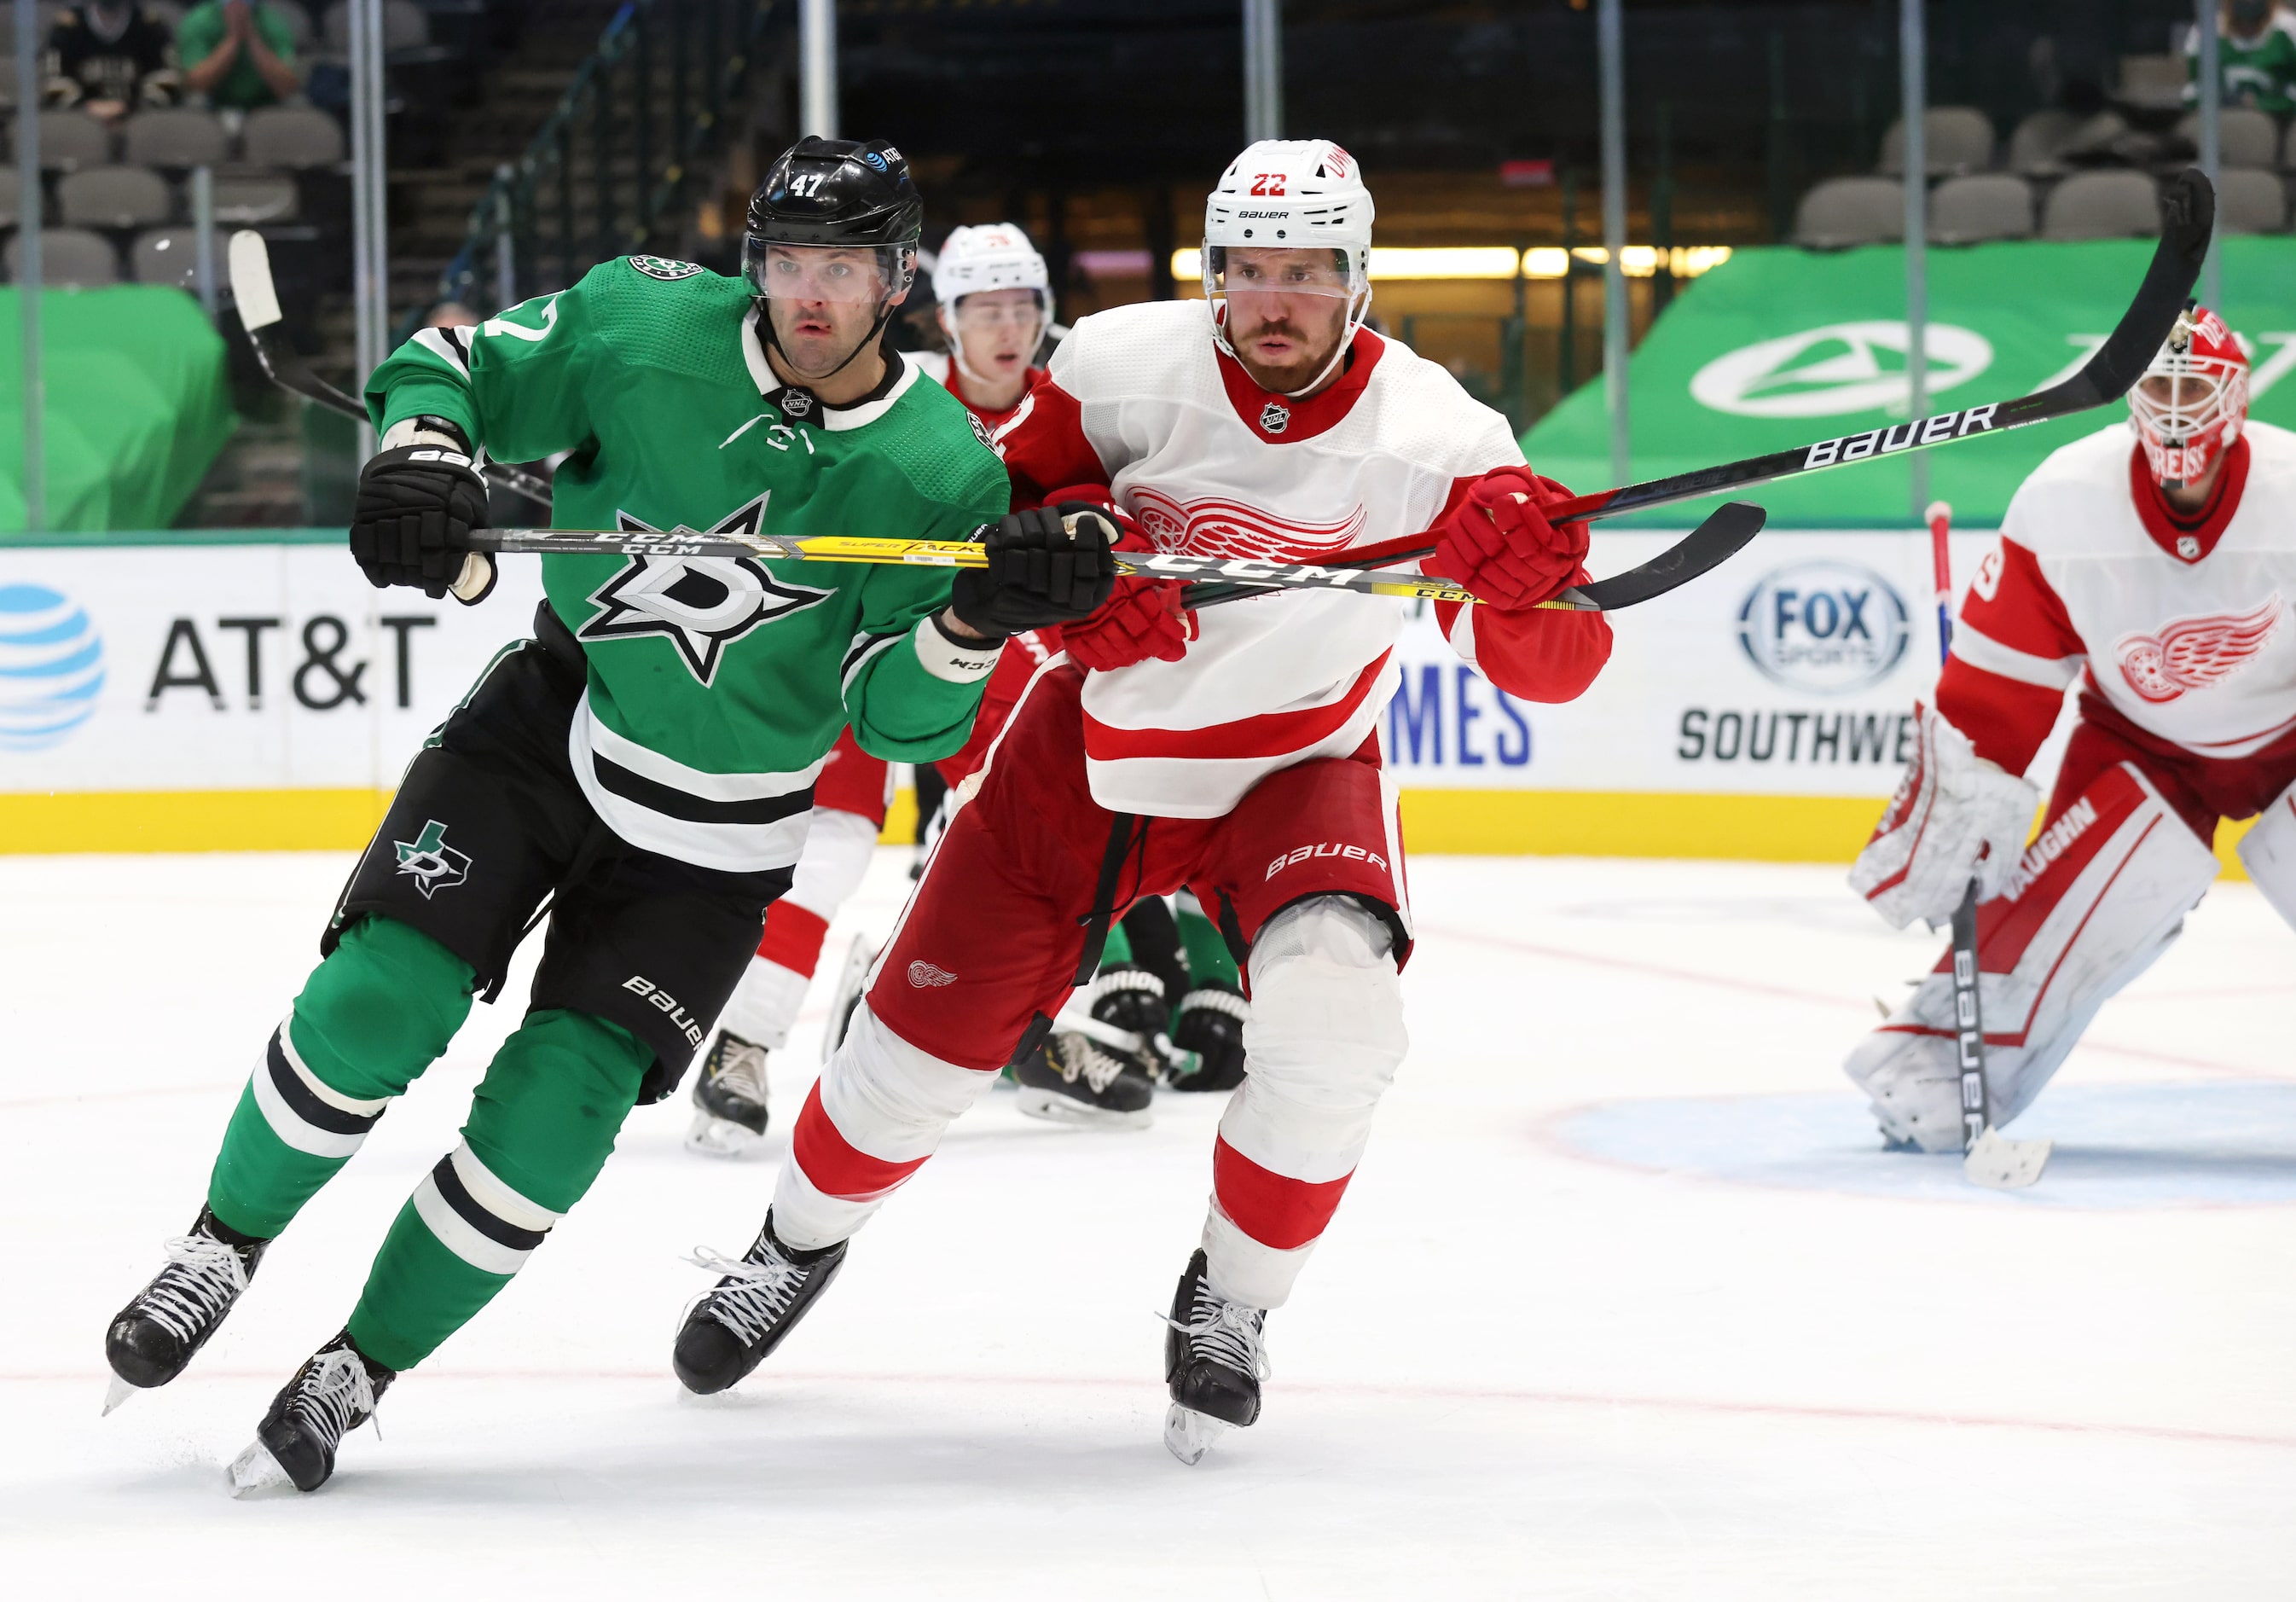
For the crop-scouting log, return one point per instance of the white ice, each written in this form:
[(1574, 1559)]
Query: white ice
[(1623, 1302)]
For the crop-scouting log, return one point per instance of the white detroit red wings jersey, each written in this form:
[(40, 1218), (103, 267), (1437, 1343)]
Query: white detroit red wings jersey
[(1140, 399), (2183, 628)]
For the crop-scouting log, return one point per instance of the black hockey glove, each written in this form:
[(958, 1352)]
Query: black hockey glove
[(417, 505), (1211, 1025), (1039, 574)]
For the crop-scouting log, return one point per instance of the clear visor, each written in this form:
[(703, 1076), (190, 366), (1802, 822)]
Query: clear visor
[(1242, 272), (979, 314), (844, 274), (2181, 397)]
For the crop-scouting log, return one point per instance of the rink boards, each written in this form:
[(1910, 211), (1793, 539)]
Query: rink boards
[(253, 692)]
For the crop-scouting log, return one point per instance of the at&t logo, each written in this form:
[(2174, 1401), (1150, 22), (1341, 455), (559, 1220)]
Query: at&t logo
[(1832, 627), (50, 667)]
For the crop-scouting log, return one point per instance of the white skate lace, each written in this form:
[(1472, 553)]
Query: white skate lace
[(1228, 1333), (1079, 1055), (742, 1070), (202, 1278), (334, 1394), (758, 1294)]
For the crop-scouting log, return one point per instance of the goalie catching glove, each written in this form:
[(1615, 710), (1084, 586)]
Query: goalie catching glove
[(419, 498), (1955, 816), (1497, 543), (1039, 572)]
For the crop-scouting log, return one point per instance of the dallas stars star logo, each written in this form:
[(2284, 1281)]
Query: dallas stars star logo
[(430, 861), (700, 604)]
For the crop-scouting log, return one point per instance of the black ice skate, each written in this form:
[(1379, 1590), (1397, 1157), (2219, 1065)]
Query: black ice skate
[(763, 1294), (154, 1337), (1099, 1072), (729, 1098), (330, 1396), (1214, 1360)]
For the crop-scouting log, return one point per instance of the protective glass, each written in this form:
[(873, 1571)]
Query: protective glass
[(845, 274), (1238, 272), (972, 315)]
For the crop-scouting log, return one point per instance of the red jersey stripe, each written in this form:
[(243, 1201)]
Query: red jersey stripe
[(1269, 734)]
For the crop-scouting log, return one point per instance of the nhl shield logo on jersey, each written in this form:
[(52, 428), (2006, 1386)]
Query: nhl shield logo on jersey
[(797, 403), (1275, 417), (700, 604), (430, 861), (664, 268)]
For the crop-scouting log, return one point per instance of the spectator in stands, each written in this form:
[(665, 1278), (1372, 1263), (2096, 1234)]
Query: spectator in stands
[(109, 58), (2256, 53), (240, 53)]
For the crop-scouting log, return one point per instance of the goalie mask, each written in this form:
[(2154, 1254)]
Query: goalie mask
[(2188, 408), (1289, 217)]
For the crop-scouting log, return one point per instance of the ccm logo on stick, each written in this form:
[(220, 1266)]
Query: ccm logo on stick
[(647, 988), (1329, 848), (1899, 435)]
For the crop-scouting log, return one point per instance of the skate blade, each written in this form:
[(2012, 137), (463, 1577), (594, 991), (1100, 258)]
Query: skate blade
[(1189, 1434), (1999, 1165), (1054, 1107), (118, 1391), (715, 1136), (256, 1471)]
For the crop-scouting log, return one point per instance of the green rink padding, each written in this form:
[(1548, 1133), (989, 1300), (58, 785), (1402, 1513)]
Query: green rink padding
[(137, 405), (1779, 347)]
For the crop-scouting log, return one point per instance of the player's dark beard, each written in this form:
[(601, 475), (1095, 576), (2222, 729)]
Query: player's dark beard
[(1293, 374)]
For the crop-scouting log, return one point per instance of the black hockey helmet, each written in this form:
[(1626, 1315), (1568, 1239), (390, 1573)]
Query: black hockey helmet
[(838, 191)]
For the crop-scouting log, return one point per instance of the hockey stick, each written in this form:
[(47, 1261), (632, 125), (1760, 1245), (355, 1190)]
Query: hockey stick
[(1987, 1159), (2188, 218), (1728, 529), (258, 296), (2188, 209)]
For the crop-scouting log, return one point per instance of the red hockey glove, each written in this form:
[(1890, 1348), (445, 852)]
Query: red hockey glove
[(1499, 544), (1143, 619)]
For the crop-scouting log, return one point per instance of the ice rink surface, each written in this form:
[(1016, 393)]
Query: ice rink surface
[(1624, 1302)]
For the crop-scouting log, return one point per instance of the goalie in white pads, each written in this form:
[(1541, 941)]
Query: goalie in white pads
[(2157, 572)]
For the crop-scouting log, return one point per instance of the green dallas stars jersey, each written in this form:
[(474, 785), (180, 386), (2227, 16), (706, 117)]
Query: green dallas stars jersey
[(2259, 71), (716, 686)]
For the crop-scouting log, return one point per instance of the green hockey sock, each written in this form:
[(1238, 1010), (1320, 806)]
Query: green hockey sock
[(372, 1017), (541, 1125), (1117, 951), (1210, 961)]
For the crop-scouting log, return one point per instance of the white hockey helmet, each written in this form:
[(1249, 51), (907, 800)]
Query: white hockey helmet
[(1291, 194), (990, 256)]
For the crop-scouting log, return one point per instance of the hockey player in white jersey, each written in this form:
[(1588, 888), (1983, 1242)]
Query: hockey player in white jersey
[(1233, 751), (2157, 572), (994, 301)]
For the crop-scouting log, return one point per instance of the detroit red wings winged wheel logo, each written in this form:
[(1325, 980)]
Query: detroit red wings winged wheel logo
[(2192, 654), (1212, 527)]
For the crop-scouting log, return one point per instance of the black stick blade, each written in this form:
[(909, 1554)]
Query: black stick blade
[(1727, 531), (2188, 218)]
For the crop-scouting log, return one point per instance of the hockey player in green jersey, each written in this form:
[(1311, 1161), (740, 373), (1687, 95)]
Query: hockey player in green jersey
[(643, 766)]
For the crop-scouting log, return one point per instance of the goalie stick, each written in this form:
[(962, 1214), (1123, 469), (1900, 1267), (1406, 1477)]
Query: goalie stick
[(1987, 1159), (259, 313), (2188, 209)]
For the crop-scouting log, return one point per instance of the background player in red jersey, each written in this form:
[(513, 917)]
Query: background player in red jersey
[(1233, 751), (2156, 572)]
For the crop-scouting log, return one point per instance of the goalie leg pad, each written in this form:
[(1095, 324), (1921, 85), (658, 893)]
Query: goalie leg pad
[(2097, 898), (1323, 1043), (2269, 852), (875, 1115)]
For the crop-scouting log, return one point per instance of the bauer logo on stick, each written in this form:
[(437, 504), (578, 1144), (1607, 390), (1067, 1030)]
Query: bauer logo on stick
[(430, 861)]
